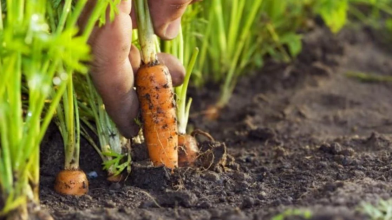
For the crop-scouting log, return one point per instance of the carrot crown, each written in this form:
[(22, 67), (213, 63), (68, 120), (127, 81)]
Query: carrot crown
[(145, 33)]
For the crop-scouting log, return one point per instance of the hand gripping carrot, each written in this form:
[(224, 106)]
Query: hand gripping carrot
[(156, 96)]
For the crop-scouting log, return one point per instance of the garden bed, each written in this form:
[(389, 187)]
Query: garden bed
[(303, 136)]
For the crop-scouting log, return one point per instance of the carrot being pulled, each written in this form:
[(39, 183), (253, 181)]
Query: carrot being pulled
[(156, 96)]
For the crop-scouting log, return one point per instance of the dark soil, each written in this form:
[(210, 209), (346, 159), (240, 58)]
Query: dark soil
[(294, 136)]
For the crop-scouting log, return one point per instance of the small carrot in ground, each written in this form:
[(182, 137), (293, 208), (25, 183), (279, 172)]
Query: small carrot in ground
[(156, 96), (71, 182), (188, 150), (212, 113)]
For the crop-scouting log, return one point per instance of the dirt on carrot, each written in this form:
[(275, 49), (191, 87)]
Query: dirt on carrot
[(71, 183), (296, 136), (156, 96)]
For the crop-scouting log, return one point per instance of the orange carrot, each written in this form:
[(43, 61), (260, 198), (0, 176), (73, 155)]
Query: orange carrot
[(71, 182), (156, 96), (212, 113), (187, 150)]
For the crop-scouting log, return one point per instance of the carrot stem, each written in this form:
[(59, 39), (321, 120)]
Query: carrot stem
[(64, 15), (145, 32), (111, 149), (183, 107), (1, 17)]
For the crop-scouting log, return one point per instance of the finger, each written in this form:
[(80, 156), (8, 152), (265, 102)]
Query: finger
[(176, 69), (112, 72), (124, 7), (166, 16), (134, 57)]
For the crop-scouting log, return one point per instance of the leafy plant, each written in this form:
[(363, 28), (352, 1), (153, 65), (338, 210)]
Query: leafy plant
[(334, 13), (43, 51), (375, 11), (229, 41), (376, 14), (67, 119), (114, 149), (238, 41), (380, 211)]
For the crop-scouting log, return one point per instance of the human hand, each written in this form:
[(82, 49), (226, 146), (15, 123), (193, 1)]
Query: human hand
[(115, 60)]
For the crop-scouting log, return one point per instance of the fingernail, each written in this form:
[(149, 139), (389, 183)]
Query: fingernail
[(172, 29)]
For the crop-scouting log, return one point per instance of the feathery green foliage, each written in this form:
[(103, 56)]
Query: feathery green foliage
[(380, 211), (235, 36), (39, 46), (113, 149)]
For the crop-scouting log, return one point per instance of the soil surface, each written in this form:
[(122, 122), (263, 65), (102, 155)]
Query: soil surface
[(300, 136)]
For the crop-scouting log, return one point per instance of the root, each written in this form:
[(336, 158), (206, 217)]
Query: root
[(205, 134), (152, 198)]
